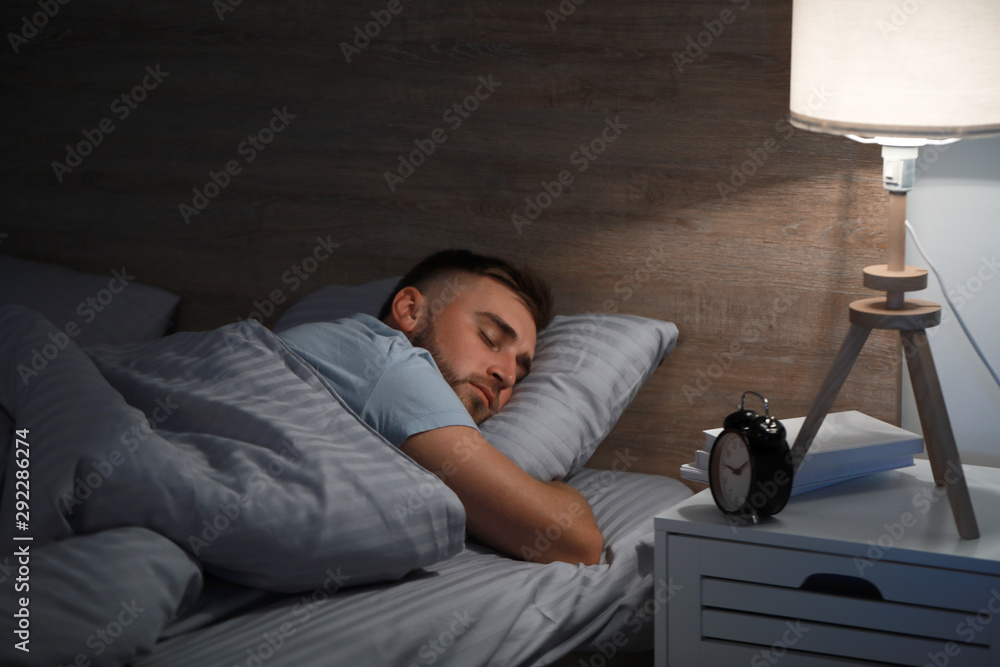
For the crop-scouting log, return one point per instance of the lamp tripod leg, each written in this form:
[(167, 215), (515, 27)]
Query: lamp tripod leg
[(938, 436), (841, 368)]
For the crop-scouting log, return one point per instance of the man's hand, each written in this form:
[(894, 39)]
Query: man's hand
[(505, 507)]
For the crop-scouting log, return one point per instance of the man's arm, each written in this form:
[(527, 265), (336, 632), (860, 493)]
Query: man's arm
[(505, 507)]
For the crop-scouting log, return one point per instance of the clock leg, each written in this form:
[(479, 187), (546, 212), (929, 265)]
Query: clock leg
[(842, 364), (938, 436)]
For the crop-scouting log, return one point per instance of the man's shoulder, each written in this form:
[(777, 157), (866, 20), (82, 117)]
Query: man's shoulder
[(358, 339), (359, 325)]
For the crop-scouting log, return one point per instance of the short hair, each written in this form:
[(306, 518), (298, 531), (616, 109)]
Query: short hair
[(521, 280)]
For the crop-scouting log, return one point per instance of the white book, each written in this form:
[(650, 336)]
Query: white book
[(801, 483), (695, 474), (847, 437), (847, 444)]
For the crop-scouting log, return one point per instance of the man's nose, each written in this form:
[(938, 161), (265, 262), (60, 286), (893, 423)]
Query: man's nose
[(504, 372)]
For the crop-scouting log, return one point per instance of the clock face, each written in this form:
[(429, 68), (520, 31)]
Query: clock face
[(731, 472)]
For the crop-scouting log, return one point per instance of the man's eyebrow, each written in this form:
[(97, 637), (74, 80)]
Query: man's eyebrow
[(524, 360), (500, 322)]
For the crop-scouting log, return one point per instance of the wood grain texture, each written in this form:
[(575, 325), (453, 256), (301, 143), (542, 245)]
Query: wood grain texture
[(701, 204), (939, 437)]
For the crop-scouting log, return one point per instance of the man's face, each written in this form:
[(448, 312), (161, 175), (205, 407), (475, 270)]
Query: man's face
[(483, 340)]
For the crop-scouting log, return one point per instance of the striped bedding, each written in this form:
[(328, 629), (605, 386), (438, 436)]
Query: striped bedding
[(477, 608), (205, 499)]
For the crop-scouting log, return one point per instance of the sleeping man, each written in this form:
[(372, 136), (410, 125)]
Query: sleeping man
[(451, 341)]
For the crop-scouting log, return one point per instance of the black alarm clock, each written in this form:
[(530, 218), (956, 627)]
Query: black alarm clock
[(750, 469)]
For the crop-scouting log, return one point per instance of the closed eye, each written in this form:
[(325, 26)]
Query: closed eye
[(486, 339)]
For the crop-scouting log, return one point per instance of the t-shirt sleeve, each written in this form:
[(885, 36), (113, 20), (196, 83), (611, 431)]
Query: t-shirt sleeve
[(394, 387), (411, 397)]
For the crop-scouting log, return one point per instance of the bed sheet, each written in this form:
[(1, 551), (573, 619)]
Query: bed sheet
[(477, 608)]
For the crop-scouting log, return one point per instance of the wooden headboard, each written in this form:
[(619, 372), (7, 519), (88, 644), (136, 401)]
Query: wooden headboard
[(638, 154)]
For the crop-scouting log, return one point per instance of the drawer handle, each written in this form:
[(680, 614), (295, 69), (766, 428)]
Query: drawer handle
[(841, 584)]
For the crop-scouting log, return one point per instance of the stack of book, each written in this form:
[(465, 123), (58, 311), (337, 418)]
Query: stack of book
[(847, 445)]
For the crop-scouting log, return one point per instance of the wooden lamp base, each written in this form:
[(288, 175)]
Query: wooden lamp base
[(910, 318)]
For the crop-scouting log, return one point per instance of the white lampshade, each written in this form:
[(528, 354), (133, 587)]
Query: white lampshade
[(896, 68)]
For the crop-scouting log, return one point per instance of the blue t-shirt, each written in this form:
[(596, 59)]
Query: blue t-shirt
[(394, 387)]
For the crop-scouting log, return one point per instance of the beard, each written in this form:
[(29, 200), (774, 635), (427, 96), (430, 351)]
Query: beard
[(473, 402)]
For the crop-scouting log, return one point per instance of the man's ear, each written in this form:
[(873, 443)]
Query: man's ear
[(407, 306)]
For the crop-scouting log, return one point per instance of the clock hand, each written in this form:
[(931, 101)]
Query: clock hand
[(740, 469)]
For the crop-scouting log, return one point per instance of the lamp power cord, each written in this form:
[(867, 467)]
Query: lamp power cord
[(958, 316)]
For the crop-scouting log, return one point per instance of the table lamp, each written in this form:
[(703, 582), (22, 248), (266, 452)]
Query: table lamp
[(899, 73)]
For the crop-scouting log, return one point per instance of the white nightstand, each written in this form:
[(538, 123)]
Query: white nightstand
[(866, 571)]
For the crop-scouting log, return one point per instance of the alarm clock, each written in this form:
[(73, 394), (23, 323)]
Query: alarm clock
[(750, 469)]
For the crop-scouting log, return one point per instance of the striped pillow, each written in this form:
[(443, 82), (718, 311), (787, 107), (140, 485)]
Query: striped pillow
[(587, 369)]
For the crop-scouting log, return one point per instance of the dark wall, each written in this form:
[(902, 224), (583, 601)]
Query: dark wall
[(637, 153)]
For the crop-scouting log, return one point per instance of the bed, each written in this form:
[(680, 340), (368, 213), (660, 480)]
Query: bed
[(205, 498), (637, 154)]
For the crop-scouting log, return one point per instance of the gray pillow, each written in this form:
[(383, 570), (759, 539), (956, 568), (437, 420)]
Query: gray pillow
[(88, 308), (336, 301), (586, 371), (106, 596)]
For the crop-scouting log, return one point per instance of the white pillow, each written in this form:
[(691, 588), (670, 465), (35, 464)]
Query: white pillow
[(586, 371)]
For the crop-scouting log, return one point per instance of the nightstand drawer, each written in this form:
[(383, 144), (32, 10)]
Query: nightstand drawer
[(738, 601), (830, 607)]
